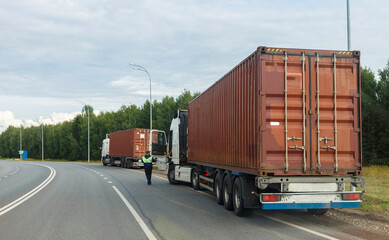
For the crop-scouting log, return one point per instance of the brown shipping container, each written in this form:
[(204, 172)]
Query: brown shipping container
[(131, 143), (281, 112)]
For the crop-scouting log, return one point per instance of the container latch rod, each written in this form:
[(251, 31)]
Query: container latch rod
[(297, 147), (329, 147), (293, 138), (325, 139), (286, 111)]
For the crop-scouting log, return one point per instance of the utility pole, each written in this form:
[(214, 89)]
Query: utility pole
[(43, 145), (21, 145), (140, 68)]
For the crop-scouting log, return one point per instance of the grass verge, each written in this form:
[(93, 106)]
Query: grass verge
[(61, 160), (376, 197)]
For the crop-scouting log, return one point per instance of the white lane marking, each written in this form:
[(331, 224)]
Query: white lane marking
[(105, 178), (142, 224), (301, 228), (28, 195), (109, 182), (5, 176), (101, 175)]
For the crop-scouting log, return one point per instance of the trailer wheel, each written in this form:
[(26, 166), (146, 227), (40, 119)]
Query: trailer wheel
[(130, 164), (171, 174), (319, 212), (218, 189), (238, 199), (227, 195), (195, 179)]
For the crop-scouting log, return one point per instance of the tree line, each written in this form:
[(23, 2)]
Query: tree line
[(68, 140)]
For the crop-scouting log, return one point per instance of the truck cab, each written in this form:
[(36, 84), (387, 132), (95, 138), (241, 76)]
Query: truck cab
[(105, 151), (158, 148)]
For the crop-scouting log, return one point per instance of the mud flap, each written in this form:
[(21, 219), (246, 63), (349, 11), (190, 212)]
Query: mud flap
[(248, 185)]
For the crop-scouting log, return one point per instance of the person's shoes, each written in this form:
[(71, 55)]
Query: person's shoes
[(149, 183)]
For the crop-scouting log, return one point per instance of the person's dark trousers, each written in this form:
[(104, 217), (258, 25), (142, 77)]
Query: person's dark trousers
[(148, 170)]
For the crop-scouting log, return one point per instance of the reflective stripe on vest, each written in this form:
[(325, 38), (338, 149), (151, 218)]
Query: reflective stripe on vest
[(147, 160)]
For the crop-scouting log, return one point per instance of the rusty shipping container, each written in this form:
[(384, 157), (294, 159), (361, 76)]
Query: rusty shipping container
[(281, 112), (131, 143)]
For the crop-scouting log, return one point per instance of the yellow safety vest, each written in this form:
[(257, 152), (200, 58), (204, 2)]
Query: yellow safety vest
[(147, 160)]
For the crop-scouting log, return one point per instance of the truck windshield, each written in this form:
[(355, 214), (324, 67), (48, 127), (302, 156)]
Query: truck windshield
[(158, 143)]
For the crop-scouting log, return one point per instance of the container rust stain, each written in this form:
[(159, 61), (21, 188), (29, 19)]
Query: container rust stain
[(281, 112)]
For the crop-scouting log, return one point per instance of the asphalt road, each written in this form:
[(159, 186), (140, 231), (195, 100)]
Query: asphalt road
[(89, 201)]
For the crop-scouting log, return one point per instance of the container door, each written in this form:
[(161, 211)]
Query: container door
[(310, 114), (335, 115), (284, 110)]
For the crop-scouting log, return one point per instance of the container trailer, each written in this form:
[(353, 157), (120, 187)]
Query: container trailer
[(281, 130), (126, 148)]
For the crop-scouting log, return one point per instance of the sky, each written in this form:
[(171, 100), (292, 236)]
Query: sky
[(54, 54)]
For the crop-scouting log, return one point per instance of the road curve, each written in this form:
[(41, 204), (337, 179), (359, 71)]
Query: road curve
[(89, 201)]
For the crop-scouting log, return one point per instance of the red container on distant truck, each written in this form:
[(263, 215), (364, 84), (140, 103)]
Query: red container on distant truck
[(126, 148), (132, 142)]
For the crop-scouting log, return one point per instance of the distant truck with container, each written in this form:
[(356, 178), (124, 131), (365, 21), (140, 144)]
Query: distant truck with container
[(281, 130), (126, 148)]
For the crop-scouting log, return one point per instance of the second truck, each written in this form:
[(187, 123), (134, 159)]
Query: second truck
[(126, 148)]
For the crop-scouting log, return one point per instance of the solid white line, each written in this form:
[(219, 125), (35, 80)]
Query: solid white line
[(142, 224), (301, 228), (28, 195)]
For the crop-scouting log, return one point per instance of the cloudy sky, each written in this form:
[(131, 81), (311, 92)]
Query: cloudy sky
[(53, 53)]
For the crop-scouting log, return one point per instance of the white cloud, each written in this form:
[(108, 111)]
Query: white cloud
[(7, 118), (56, 51), (139, 87)]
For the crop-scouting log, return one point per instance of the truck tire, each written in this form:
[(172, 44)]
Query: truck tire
[(318, 212), (237, 199), (171, 174), (130, 164), (218, 188), (121, 162), (195, 179), (104, 164), (227, 193)]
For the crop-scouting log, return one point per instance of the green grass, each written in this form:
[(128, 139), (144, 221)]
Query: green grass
[(376, 197), (61, 160)]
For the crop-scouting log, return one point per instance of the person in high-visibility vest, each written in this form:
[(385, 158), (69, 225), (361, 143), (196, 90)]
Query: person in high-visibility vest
[(148, 163)]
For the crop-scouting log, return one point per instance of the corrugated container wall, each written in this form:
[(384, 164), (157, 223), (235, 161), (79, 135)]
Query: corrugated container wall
[(131, 143), (281, 112)]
